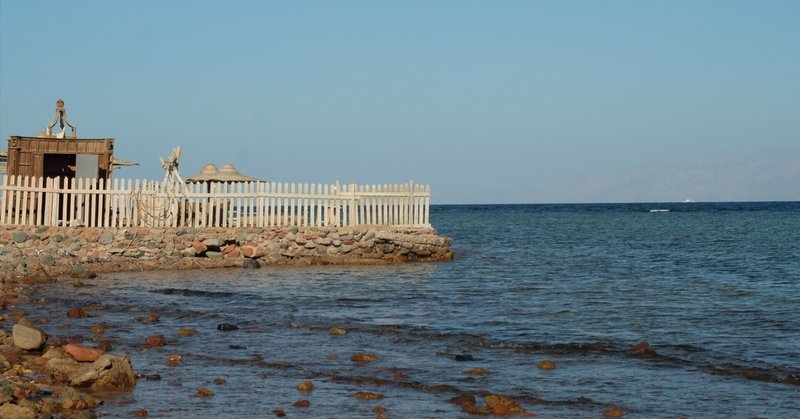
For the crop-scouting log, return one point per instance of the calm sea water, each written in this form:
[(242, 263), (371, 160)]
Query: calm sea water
[(713, 288)]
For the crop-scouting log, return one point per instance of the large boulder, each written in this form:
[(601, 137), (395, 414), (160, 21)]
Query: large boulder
[(27, 336), (106, 373)]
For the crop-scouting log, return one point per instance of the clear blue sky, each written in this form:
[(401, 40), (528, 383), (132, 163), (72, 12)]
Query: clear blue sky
[(487, 101)]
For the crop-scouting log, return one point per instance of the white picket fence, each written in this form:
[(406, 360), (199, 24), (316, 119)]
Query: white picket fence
[(126, 203)]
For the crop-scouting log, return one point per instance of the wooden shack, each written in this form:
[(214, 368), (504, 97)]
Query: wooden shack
[(67, 158)]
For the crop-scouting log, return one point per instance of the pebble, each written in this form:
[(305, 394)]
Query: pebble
[(302, 403), (225, 327), (204, 392), (546, 365), (305, 386), (364, 358), (156, 340), (367, 395), (337, 331)]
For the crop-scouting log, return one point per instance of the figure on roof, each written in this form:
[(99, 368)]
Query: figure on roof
[(59, 118)]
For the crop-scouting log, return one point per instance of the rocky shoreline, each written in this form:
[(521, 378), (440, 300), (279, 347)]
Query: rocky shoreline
[(41, 253), (44, 378)]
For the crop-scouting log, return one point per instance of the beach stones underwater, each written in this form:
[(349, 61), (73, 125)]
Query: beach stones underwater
[(227, 327)]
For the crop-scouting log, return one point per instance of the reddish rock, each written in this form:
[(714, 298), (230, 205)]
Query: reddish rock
[(199, 247), (174, 359), (248, 251), (364, 358), (301, 403), (157, 340), (187, 332), (614, 412), (279, 413), (76, 313), (367, 395), (229, 249), (502, 405), (91, 236), (233, 254), (640, 348), (139, 413), (82, 353), (204, 392)]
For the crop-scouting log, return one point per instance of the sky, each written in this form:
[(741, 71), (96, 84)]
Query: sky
[(486, 101)]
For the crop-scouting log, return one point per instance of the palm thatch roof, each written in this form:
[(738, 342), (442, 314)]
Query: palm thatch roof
[(226, 173)]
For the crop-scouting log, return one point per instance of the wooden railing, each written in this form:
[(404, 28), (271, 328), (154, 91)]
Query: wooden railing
[(127, 203)]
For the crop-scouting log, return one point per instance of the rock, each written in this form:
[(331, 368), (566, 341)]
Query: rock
[(78, 271), (614, 412), (11, 410), (141, 413), (199, 247), (476, 371), (546, 365), (106, 237), (463, 400), (204, 392), (279, 412), (98, 329), (310, 245), (76, 312), (369, 236), (106, 373), (219, 381), (305, 386), (367, 395), (212, 243), (640, 348), (61, 368), (27, 336), (464, 357), (248, 263), (20, 237), (156, 340), (82, 353), (48, 260), (364, 357), (501, 405), (174, 360), (301, 403), (345, 249), (214, 255), (337, 331), (226, 327), (187, 332)]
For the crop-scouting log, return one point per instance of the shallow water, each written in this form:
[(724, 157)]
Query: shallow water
[(713, 288)]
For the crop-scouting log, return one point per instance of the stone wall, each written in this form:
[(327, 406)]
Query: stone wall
[(50, 251)]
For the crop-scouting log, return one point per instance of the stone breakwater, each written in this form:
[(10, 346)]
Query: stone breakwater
[(45, 252)]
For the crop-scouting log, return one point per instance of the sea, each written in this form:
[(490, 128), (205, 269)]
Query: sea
[(657, 310)]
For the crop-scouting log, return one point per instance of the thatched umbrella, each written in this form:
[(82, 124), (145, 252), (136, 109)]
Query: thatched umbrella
[(228, 173), (208, 174)]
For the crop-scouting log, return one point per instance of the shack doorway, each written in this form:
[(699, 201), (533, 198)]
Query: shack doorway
[(62, 167), (59, 165)]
